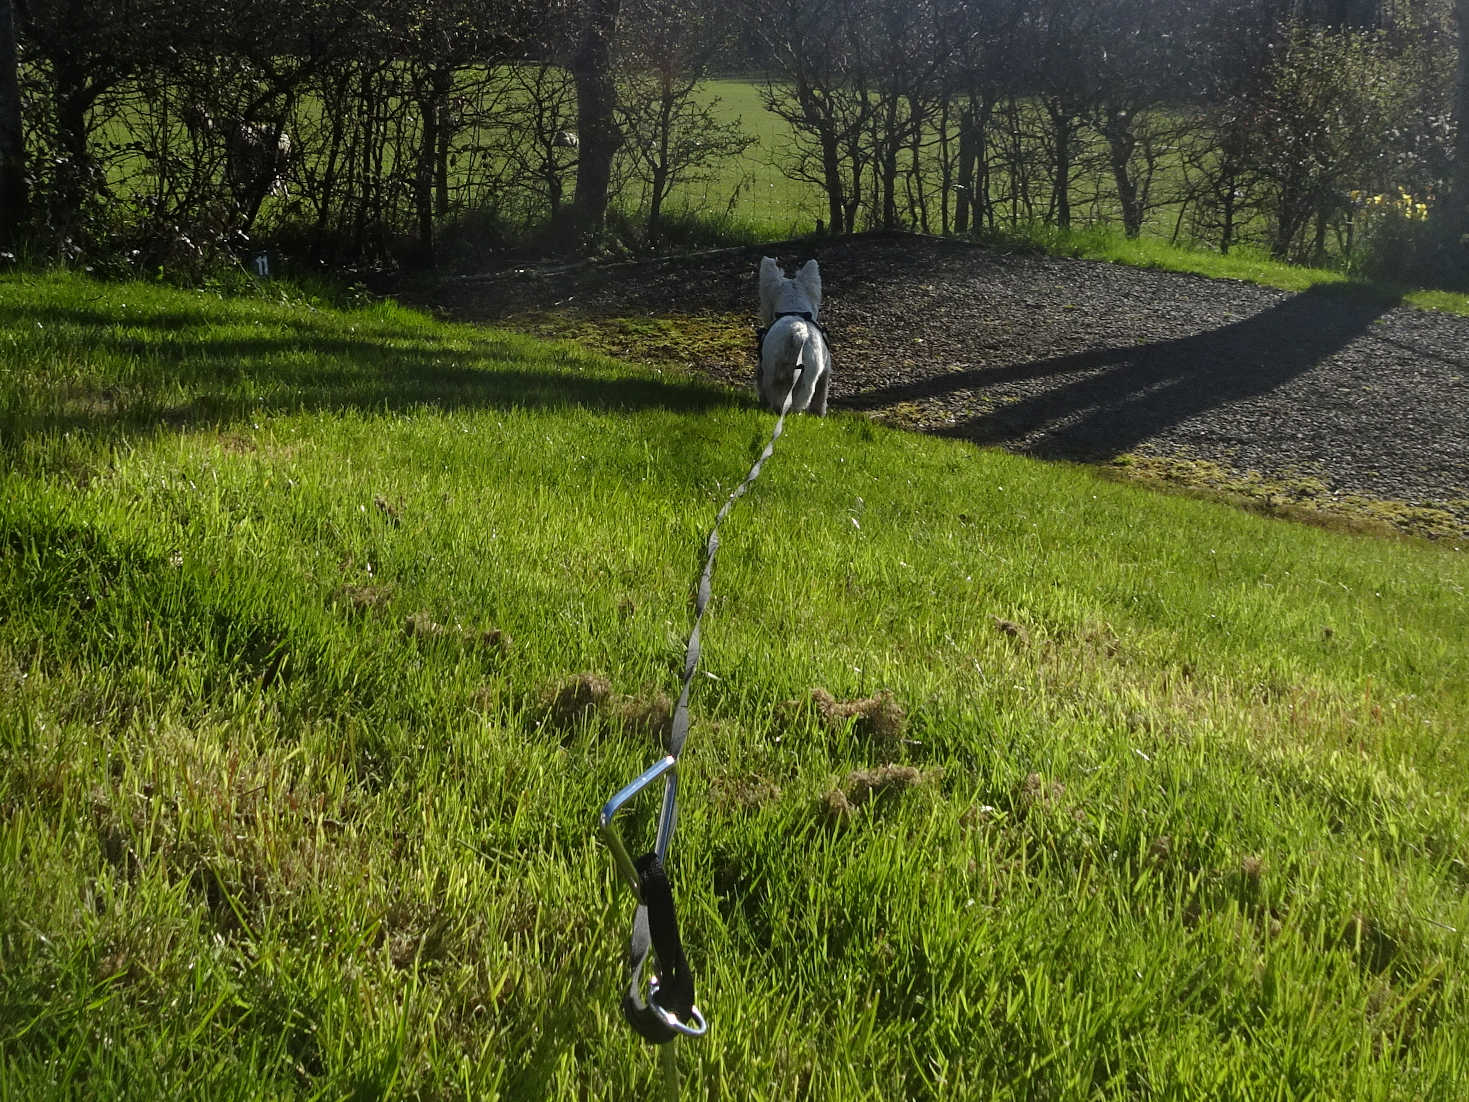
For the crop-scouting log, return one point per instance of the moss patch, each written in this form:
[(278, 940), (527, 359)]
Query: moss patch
[(675, 341), (1301, 498)]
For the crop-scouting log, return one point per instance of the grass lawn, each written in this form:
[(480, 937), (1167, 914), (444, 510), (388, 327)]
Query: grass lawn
[(325, 634)]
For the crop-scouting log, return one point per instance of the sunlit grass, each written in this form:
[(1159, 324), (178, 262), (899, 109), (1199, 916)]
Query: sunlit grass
[(1246, 264), (286, 594)]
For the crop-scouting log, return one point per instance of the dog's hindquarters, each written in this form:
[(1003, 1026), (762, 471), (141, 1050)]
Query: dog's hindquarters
[(791, 345), (815, 360)]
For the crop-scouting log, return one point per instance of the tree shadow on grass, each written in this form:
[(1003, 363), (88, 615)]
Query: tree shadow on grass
[(183, 373), (1100, 404)]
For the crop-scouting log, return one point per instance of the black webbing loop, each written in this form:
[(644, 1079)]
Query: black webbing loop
[(655, 928)]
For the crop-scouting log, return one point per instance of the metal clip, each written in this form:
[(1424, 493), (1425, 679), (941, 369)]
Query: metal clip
[(697, 1028), (667, 768), (666, 817)]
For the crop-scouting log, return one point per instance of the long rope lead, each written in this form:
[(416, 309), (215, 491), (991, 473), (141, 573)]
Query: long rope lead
[(667, 1011)]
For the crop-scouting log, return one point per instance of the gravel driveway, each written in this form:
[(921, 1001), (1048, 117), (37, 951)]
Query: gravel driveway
[(1332, 392)]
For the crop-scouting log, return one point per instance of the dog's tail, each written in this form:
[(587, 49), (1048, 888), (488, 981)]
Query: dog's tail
[(797, 338)]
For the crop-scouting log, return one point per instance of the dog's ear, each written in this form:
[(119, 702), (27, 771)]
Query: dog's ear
[(809, 280), (771, 278)]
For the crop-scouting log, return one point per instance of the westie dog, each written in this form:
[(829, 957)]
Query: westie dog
[(792, 338)]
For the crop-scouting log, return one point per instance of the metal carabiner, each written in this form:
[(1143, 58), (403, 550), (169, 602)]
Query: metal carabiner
[(666, 817)]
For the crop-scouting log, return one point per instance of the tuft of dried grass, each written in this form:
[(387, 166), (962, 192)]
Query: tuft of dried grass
[(362, 598), (588, 694), (746, 793), (880, 783), (421, 625), (390, 512), (1033, 793), (877, 717), (492, 639), (1013, 630), (647, 715), (579, 696)]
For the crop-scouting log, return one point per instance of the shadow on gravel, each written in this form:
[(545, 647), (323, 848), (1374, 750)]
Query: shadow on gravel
[(1097, 405)]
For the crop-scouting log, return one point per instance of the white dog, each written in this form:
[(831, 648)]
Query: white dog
[(792, 338)]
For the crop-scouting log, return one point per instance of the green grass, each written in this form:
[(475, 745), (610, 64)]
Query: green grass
[(282, 816), (1246, 264)]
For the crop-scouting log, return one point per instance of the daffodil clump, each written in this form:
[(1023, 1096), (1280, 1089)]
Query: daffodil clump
[(1403, 205), (1394, 236)]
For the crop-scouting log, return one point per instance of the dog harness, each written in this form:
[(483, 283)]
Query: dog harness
[(804, 315)]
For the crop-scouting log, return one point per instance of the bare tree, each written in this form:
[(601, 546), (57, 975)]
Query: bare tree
[(673, 135), (80, 52), (820, 86), (1451, 213), (1319, 129), (536, 134), (982, 68)]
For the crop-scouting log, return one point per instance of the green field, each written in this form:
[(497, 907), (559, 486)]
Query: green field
[(751, 190), (1166, 800)]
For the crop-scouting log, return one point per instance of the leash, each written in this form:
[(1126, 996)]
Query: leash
[(667, 1011)]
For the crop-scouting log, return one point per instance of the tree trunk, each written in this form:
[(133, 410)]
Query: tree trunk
[(13, 198), (818, 116), (449, 119), (918, 194), (1318, 245), (1226, 228), (325, 191), (596, 122), (946, 165), (431, 110), (831, 168), (1120, 145), (888, 164), (74, 174), (662, 160), (430, 179), (852, 203), (1461, 104), (1290, 216), (971, 142), (1062, 126)]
